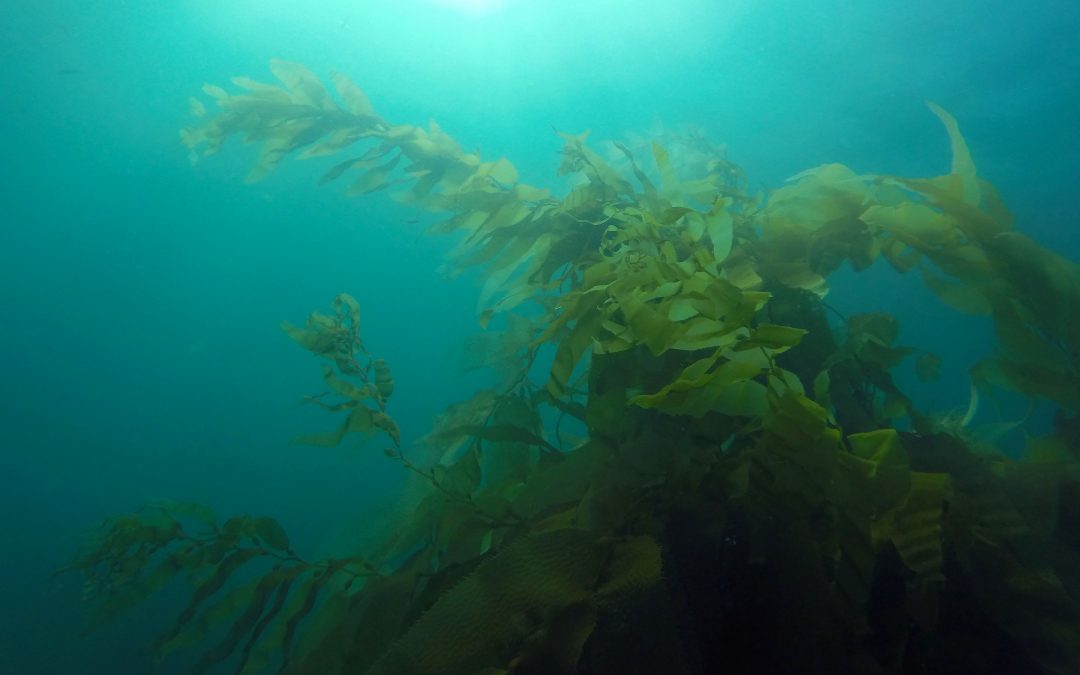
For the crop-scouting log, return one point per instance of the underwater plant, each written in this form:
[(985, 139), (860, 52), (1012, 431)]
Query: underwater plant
[(754, 493)]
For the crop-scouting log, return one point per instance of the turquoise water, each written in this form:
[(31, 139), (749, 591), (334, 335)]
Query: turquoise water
[(141, 295)]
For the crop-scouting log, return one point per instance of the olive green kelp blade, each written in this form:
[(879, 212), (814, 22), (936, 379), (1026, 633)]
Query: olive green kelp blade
[(532, 606)]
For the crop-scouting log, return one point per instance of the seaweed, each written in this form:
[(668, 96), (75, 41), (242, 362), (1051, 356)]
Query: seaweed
[(753, 491)]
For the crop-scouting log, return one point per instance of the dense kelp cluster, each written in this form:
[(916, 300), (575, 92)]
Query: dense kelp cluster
[(753, 492)]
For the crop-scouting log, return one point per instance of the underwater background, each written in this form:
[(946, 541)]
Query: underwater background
[(141, 296)]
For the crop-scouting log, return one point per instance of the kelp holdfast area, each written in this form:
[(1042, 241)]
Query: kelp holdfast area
[(713, 475)]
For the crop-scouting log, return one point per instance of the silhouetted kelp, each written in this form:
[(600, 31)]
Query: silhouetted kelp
[(755, 494)]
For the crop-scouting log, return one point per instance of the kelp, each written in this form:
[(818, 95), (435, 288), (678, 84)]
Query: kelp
[(337, 338), (243, 574), (752, 491)]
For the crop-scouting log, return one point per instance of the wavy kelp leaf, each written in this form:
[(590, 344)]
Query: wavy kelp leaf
[(745, 398), (365, 161), (820, 387), (375, 179), (200, 513), (271, 533), (461, 478), (772, 337), (411, 541), (508, 463), (243, 607), (839, 240), (916, 528), (917, 225), (963, 167), (1031, 363), (336, 337), (497, 433), (311, 339), (248, 621), (635, 566), (509, 281), (1028, 603), (384, 379), (884, 464), (901, 256), (212, 618), (281, 143), (800, 429), (196, 108), (280, 595), (135, 592), (464, 540), (474, 411), (650, 326), (335, 141), (669, 179), (1037, 321), (579, 157), (322, 642), (1035, 486), (263, 652), (711, 189), (217, 579), (353, 96), (722, 382), (871, 339), (360, 421), (306, 598), (497, 348), (360, 628), (505, 601), (570, 352), (1044, 283), (303, 85), (344, 388), (809, 200), (560, 479), (961, 297), (646, 184), (239, 527), (715, 229), (880, 327), (1052, 383), (500, 350)]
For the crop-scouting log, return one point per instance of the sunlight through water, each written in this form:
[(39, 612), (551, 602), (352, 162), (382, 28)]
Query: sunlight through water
[(472, 7)]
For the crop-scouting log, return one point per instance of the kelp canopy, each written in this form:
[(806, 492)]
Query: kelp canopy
[(753, 492)]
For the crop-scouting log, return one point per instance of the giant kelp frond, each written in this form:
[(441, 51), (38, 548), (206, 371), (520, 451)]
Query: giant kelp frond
[(284, 118), (300, 113), (957, 224), (250, 591), (531, 244), (362, 383)]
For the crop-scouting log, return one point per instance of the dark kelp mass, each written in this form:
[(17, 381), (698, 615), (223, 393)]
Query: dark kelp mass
[(754, 493)]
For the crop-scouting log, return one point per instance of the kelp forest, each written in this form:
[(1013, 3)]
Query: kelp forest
[(748, 490)]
